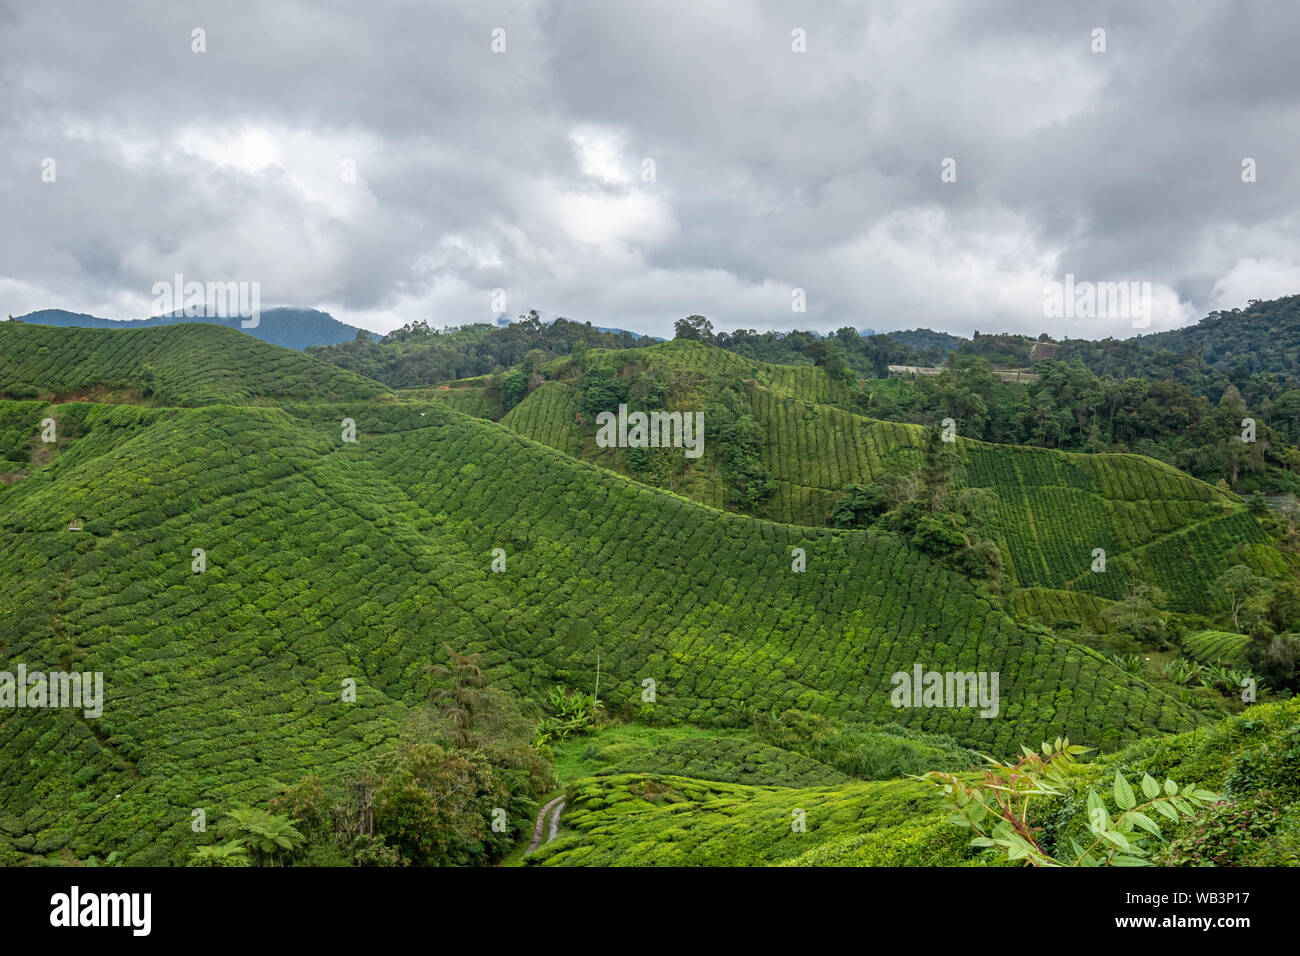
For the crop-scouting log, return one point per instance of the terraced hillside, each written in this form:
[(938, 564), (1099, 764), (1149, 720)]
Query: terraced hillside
[(190, 364), (1155, 524), (328, 560), (665, 820), (1216, 647), (662, 819)]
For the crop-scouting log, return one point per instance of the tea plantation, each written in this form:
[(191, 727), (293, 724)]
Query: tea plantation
[(263, 559), (191, 364), (1053, 509), (647, 819), (328, 561)]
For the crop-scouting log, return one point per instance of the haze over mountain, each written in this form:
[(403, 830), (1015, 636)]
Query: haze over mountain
[(293, 328)]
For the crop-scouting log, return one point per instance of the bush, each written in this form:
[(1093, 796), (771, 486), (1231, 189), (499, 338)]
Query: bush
[(938, 535)]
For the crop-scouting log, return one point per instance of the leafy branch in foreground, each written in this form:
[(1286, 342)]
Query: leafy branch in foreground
[(996, 808)]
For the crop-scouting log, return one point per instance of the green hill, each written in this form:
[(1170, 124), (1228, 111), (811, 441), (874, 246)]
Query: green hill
[(1216, 647), (329, 560), (1264, 337), (1156, 524), (661, 819), (187, 364)]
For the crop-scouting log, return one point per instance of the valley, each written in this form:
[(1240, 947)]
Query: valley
[(350, 661)]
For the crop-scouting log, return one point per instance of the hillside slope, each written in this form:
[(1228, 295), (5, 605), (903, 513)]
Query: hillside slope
[(664, 819), (328, 561), (188, 364), (1156, 524)]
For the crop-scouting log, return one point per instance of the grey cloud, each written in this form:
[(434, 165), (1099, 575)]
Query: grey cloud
[(774, 169)]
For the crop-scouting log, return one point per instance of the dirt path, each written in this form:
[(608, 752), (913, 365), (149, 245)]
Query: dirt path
[(540, 827)]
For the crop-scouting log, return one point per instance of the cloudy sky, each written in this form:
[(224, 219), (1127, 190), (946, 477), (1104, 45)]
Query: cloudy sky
[(630, 163)]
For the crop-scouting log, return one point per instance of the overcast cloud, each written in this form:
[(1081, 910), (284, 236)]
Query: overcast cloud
[(774, 170)]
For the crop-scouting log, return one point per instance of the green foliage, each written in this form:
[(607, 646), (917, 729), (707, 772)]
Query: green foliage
[(220, 854), (602, 392), (1046, 511), (1276, 660), (330, 562), (1180, 670), (699, 754), (938, 535), (1075, 813), (867, 752), (460, 693), (571, 712), (1243, 593), (434, 808), (1138, 615), (860, 506), (173, 363), (513, 388), (997, 808), (664, 820), (694, 327), (417, 355), (267, 838), (1231, 834), (1130, 663)]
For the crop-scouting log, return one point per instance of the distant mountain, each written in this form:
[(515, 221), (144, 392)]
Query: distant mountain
[(1264, 337), (635, 335), (925, 340), (1256, 350), (288, 327)]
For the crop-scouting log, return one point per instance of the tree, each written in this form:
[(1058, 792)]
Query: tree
[(513, 388), (461, 700), (938, 467), (1284, 607), (1276, 660), (859, 506), (1138, 615), (267, 838), (694, 327), (219, 855), (939, 534), (837, 366), (1239, 583), (817, 350), (434, 807)]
